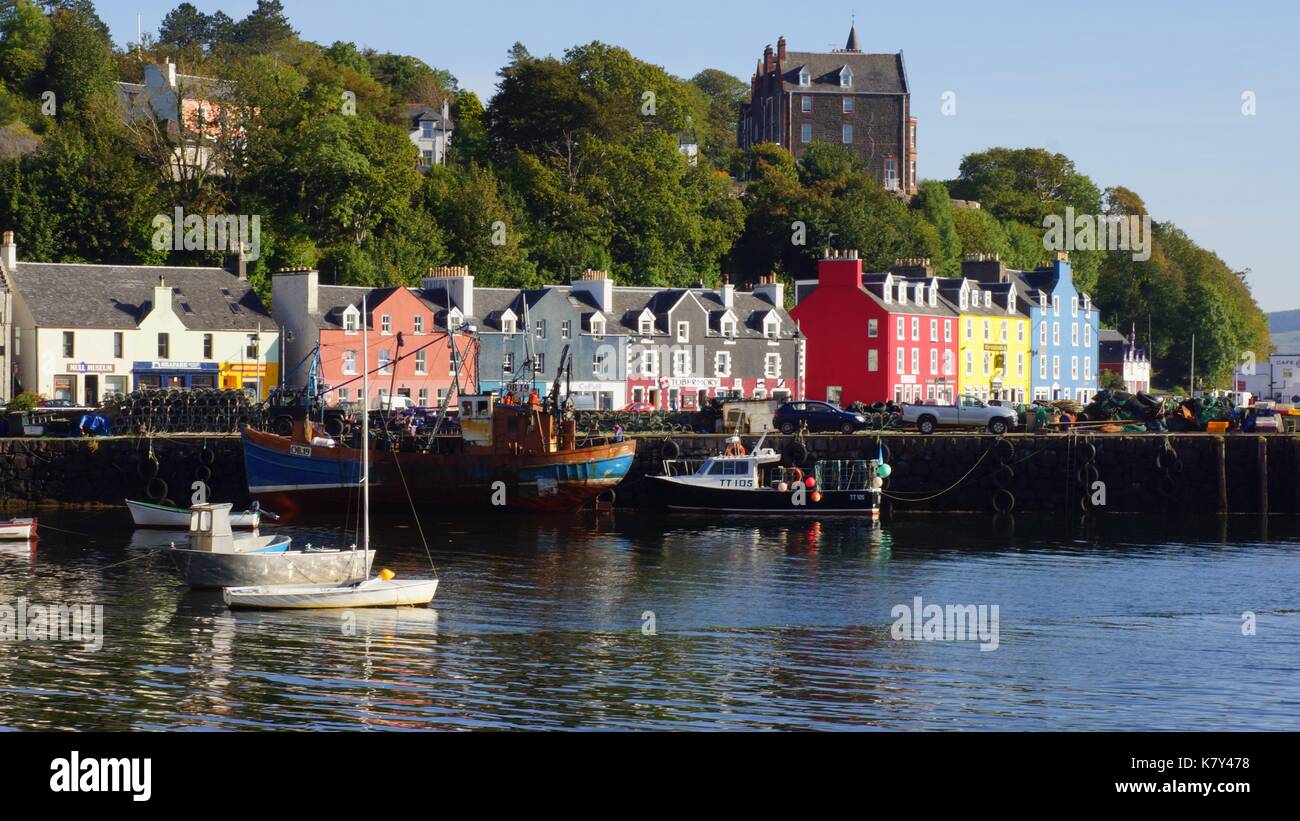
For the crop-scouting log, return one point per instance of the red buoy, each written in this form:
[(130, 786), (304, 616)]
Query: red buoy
[(810, 482)]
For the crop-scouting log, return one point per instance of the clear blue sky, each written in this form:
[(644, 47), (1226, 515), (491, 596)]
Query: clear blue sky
[(1141, 94)]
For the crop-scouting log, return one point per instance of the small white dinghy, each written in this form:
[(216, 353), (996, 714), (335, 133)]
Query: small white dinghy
[(149, 514), (381, 591), (17, 529)]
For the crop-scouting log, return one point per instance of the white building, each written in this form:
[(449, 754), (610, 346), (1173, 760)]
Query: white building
[(82, 332), (430, 131), (184, 110), (1277, 379)]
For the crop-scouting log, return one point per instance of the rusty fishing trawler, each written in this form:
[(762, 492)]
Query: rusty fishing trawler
[(514, 451)]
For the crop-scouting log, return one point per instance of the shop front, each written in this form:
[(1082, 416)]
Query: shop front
[(255, 378), (598, 395), (175, 375), (86, 383)]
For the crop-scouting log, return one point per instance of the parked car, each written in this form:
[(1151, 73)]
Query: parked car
[(969, 412), (638, 407), (820, 417)]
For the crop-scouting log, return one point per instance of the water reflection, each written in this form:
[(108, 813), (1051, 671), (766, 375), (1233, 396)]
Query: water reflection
[(1113, 622)]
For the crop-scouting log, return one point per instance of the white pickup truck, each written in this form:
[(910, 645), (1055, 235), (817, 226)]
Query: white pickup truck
[(969, 412)]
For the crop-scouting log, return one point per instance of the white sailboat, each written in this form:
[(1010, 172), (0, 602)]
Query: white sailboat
[(384, 590)]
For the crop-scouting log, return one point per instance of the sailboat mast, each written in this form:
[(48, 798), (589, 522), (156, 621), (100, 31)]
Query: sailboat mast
[(365, 426)]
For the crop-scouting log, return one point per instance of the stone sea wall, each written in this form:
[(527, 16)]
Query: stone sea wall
[(1236, 473)]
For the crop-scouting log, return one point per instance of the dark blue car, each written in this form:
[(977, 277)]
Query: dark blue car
[(820, 417)]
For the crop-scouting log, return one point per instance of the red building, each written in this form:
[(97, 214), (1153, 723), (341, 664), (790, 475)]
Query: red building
[(410, 351), (875, 337)]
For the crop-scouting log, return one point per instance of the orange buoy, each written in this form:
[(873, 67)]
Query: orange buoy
[(816, 495)]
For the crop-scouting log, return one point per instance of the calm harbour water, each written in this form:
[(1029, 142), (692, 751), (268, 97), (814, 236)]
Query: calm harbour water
[(1134, 623)]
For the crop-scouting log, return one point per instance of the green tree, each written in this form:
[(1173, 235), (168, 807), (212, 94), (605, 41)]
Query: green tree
[(184, 26), (480, 226), (79, 65), (469, 141), (932, 202), (24, 40), (265, 27), (717, 133)]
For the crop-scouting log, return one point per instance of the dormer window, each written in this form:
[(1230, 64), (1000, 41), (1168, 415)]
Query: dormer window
[(964, 300), (934, 294), (646, 325), (350, 317), (988, 299), (728, 327), (919, 295), (846, 78), (507, 324), (805, 77), (598, 325), (902, 293), (454, 319), (771, 327)]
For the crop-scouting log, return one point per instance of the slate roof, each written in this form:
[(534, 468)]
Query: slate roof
[(872, 73), (68, 295)]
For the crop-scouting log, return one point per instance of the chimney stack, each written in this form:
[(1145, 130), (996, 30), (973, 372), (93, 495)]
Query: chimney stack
[(459, 284), (237, 264), (9, 252), (780, 51), (598, 285), (767, 60), (728, 292), (770, 290)]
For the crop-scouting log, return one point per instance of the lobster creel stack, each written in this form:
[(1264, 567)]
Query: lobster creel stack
[(198, 410)]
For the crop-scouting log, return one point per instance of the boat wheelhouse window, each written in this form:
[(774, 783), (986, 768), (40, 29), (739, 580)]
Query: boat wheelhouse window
[(482, 407), (729, 468)]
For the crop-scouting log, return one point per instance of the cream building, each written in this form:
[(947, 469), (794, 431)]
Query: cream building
[(83, 332)]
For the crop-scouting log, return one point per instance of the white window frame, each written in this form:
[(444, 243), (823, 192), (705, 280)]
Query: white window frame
[(722, 363), (772, 365)]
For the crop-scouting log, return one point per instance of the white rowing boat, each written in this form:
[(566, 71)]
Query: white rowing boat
[(149, 514), (17, 529), (376, 592)]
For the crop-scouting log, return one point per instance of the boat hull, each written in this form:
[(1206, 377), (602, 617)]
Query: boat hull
[(296, 479), (205, 569), (18, 530), (148, 514), (693, 498), (370, 593)]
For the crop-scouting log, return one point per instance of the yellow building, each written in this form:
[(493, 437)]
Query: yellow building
[(993, 338)]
